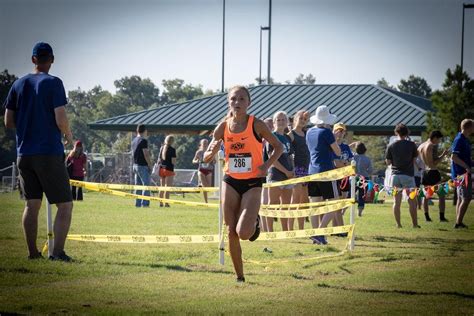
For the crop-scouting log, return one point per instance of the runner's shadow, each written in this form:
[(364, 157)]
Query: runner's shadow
[(172, 267)]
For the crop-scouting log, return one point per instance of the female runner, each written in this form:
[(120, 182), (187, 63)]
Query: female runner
[(244, 169)]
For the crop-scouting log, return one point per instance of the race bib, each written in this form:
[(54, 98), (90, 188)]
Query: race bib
[(240, 163)]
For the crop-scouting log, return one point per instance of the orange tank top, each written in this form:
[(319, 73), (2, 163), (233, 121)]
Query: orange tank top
[(243, 152)]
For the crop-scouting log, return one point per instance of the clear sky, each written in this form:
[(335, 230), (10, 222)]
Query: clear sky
[(339, 41)]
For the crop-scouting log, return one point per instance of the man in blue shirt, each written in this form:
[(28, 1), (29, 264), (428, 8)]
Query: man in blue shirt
[(461, 165), (35, 107), (322, 145)]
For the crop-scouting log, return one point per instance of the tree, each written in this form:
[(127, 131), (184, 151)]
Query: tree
[(384, 83), (308, 79), (186, 147), (453, 103), (139, 93), (415, 85), (7, 137), (176, 91), (264, 81)]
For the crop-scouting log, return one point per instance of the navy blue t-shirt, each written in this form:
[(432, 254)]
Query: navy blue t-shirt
[(462, 148), (319, 142), (346, 153), (138, 144), (33, 98)]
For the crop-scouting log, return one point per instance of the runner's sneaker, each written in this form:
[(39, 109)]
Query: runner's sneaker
[(61, 257), (240, 280), (257, 230)]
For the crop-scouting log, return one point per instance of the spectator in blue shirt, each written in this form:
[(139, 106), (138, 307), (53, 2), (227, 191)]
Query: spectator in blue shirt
[(322, 145), (35, 107), (461, 165)]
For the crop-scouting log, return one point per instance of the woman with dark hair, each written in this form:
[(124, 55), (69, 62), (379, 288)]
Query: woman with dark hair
[(76, 166)]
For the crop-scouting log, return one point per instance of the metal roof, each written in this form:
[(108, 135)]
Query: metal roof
[(366, 109)]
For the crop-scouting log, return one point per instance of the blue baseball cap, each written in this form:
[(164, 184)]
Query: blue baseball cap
[(42, 49)]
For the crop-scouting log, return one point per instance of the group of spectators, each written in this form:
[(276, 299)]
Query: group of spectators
[(318, 149), (163, 168), (412, 166), (309, 151)]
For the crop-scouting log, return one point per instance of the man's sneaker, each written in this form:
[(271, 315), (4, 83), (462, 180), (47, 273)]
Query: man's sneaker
[(319, 240), (61, 257), (35, 256), (456, 226), (240, 280), (257, 230)]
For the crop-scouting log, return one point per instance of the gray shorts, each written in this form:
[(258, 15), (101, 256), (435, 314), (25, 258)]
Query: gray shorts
[(402, 181), (465, 193), (283, 187)]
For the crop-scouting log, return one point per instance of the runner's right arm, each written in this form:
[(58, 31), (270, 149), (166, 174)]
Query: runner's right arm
[(215, 144)]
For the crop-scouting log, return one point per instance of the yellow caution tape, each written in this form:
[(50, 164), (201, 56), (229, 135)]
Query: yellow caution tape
[(142, 197), (312, 211), (144, 187), (305, 205), (305, 233), (330, 175), (44, 250), (193, 239), (148, 239)]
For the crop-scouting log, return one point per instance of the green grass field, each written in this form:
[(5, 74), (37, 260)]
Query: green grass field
[(397, 271)]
